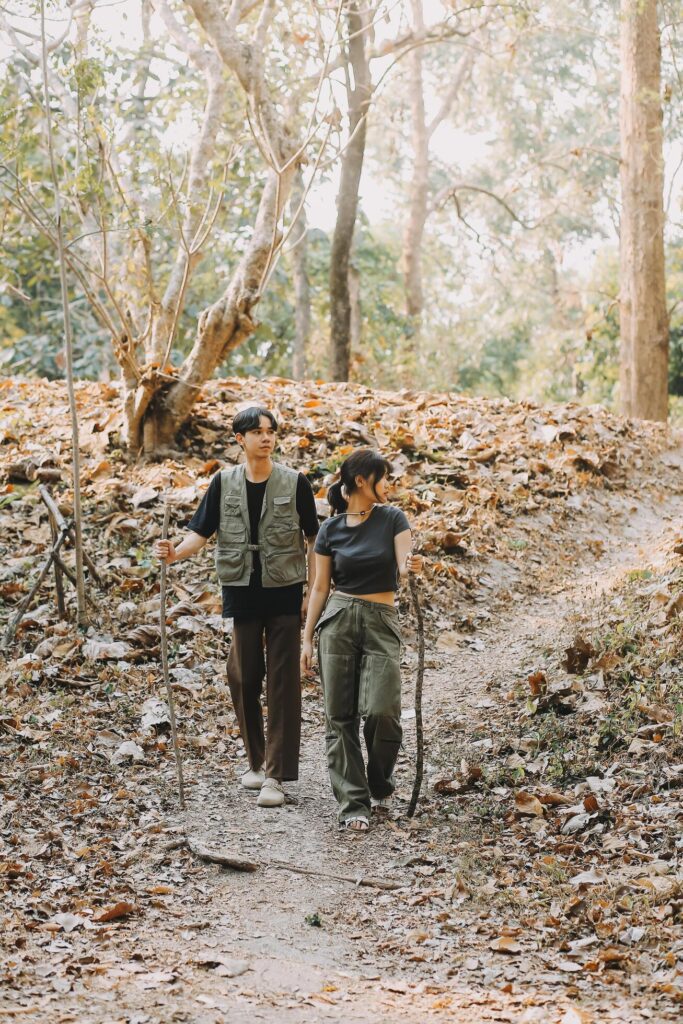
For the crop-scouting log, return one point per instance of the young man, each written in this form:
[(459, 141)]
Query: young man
[(261, 511)]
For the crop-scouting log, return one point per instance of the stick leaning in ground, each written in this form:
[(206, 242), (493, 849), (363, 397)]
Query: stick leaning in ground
[(419, 679), (164, 662)]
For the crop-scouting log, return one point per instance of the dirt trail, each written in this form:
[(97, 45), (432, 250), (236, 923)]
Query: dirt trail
[(298, 948)]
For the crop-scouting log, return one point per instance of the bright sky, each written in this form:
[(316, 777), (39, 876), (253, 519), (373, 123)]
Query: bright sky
[(119, 20)]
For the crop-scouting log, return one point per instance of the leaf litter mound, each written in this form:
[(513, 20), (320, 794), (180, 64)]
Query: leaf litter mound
[(562, 801), (494, 491)]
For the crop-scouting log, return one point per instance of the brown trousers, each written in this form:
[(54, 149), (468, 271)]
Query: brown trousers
[(247, 667)]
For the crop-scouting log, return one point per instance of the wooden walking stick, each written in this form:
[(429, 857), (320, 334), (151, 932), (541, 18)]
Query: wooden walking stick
[(164, 662), (419, 761)]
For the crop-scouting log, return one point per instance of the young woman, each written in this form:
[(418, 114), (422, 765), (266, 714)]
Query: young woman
[(363, 548)]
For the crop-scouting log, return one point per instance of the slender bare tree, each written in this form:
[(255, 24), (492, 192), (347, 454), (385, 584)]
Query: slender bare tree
[(359, 93), (117, 271), (68, 340), (302, 287), (644, 322)]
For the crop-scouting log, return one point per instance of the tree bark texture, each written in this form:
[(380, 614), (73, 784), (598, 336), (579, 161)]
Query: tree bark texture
[(643, 313), (419, 182), (302, 288), (359, 92), (422, 132), (81, 609), (356, 319)]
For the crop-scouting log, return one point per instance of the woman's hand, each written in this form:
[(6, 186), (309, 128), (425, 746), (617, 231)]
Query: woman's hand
[(414, 564), (164, 551), (307, 660)]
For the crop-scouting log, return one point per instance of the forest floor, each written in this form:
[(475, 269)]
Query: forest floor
[(541, 879)]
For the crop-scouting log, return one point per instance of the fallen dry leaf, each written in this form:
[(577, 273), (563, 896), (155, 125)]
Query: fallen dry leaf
[(505, 944), (112, 913), (526, 803)]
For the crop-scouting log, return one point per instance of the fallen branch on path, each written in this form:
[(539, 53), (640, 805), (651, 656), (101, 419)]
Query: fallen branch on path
[(226, 860), (28, 471), (375, 883), (237, 863)]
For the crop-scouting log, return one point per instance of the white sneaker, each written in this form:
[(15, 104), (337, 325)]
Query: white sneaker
[(252, 779), (272, 794)]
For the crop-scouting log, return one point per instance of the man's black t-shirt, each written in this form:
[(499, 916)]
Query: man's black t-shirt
[(256, 601)]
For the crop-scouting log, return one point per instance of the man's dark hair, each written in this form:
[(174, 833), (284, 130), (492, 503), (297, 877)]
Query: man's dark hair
[(250, 419)]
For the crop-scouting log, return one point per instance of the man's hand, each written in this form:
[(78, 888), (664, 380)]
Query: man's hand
[(164, 551), (307, 670)]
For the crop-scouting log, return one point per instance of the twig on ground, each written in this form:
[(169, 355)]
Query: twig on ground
[(369, 880), (19, 614), (227, 860), (238, 863), (53, 509)]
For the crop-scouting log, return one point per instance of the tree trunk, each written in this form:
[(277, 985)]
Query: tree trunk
[(422, 132), (225, 324), (159, 408), (419, 182), (356, 318), (68, 337), (643, 314), (347, 200), (302, 289)]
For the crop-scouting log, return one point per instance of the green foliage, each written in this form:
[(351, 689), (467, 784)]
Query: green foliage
[(517, 305), (497, 370)]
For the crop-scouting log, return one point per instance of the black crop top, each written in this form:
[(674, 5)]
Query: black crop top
[(363, 557)]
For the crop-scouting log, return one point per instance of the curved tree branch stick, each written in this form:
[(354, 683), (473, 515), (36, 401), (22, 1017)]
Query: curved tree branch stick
[(164, 664), (419, 678)]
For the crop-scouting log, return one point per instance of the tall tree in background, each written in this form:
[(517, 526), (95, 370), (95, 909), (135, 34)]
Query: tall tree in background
[(422, 131), (302, 287), (68, 337), (643, 310), (359, 91)]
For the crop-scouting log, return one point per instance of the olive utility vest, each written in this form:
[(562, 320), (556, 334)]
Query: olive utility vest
[(281, 542)]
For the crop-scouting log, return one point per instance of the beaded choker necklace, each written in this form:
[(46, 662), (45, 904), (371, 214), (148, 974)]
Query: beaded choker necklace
[(364, 512)]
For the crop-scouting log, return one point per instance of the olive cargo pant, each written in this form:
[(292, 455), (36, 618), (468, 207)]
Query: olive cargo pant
[(246, 669), (359, 648)]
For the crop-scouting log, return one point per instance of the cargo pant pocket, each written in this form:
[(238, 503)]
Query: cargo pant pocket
[(380, 686), (391, 626), (338, 677)]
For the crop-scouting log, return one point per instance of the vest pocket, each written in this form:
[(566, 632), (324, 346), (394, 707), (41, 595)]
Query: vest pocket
[(233, 531), (286, 565), (229, 564), (285, 538)]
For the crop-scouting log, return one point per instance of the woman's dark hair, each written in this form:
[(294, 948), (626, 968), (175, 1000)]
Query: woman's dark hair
[(366, 463), (250, 419)]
